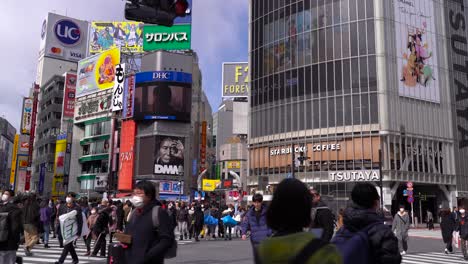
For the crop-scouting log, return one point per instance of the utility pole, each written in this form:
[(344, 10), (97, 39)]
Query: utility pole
[(293, 163), (381, 180)]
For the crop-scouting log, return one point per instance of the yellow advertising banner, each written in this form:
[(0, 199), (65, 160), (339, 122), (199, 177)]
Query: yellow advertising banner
[(234, 164), (127, 36), (210, 185), (60, 148), (13, 161), (97, 73)]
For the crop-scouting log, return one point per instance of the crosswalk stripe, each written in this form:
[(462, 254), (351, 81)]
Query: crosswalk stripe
[(433, 258)]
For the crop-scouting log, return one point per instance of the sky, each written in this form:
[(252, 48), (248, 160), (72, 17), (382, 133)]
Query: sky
[(219, 33)]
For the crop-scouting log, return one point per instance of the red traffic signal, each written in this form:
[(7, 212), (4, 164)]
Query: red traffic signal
[(181, 7)]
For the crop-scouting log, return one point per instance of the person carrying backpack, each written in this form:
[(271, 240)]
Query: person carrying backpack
[(364, 238), (322, 217), (287, 215), (11, 227), (150, 229), (45, 215)]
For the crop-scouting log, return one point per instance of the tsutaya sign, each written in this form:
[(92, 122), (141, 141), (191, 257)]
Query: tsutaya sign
[(303, 149), (351, 176)]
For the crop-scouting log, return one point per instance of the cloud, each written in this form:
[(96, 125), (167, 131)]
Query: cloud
[(219, 31)]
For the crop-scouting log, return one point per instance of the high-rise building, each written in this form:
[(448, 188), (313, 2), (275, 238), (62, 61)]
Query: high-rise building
[(361, 90)]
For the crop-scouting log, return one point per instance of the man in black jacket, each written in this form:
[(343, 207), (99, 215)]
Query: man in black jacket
[(382, 241), (65, 209), (322, 216), (9, 247), (149, 243), (101, 228)]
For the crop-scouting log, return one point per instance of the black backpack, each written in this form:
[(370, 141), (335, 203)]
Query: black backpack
[(4, 226)]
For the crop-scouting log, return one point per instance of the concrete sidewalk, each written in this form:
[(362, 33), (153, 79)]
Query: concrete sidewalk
[(425, 233)]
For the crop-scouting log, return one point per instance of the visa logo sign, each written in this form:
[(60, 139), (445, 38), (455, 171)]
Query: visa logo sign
[(76, 55)]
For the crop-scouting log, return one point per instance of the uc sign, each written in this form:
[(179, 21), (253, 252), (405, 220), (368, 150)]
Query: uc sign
[(67, 32)]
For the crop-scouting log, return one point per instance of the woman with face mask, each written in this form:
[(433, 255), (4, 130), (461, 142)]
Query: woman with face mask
[(401, 225), (91, 222)]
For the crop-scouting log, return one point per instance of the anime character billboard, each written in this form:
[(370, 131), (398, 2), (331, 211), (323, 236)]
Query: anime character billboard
[(416, 49), (97, 73), (127, 36)]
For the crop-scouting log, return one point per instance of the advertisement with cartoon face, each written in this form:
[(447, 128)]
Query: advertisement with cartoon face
[(127, 36), (416, 49), (97, 73)]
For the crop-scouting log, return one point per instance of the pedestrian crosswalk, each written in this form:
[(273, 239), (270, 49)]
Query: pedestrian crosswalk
[(433, 258), (52, 254)]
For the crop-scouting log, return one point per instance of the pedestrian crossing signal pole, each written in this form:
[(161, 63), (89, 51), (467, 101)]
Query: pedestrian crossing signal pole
[(293, 161)]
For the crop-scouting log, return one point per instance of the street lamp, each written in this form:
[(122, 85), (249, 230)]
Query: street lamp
[(180, 189)]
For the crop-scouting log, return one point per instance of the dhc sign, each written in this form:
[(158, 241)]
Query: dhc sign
[(67, 32)]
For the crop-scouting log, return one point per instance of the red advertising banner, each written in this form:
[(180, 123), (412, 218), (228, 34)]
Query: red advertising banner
[(69, 92), (127, 154), (203, 147), (27, 185)]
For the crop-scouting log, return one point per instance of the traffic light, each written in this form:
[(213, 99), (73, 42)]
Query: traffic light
[(161, 12)]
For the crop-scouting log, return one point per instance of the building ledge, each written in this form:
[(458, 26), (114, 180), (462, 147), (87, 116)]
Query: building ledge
[(87, 140), (93, 157)]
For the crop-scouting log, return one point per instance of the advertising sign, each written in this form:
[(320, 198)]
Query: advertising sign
[(101, 182), (163, 95), (118, 91), (24, 146), (42, 169), (129, 98), (13, 163), (69, 93), (352, 176), (127, 154), (203, 147), (169, 156), (416, 49), (236, 79), (126, 36), (64, 38), (171, 187), (156, 37), (89, 107), (26, 118), (210, 185), (234, 164), (60, 148), (21, 181), (97, 73)]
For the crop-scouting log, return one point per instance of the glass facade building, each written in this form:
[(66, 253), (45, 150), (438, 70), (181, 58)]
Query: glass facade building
[(344, 91)]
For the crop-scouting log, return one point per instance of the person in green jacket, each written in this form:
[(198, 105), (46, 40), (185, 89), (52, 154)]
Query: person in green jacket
[(288, 215)]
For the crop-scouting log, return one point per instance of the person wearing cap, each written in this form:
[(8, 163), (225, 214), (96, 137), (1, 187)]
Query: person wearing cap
[(255, 222)]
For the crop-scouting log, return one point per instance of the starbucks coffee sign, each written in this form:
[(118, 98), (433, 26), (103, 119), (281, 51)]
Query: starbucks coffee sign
[(354, 176)]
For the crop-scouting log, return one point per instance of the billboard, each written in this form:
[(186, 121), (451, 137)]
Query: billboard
[(126, 36), (86, 108), (129, 98), (69, 92), (156, 37), (26, 118), (60, 148), (416, 49), (63, 38), (118, 91), (171, 187), (169, 155), (203, 147), (97, 73), (210, 185), (101, 182), (234, 164), (236, 79), (13, 163), (127, 154), (20, 184), (163, 95), (240, 118), (42, 169)]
